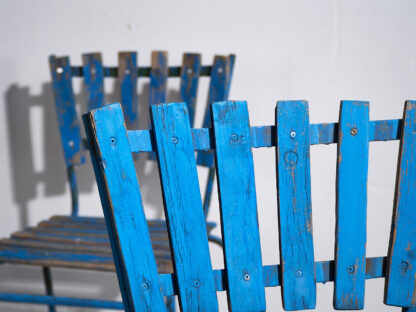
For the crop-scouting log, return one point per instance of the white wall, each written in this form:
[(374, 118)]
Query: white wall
[(321, 51)]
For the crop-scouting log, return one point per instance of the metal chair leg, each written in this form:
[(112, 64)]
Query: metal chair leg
[(47, 278)]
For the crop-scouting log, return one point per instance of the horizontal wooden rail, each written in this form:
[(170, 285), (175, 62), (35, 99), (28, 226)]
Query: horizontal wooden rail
[(173, 71), (263, 136), (271, 275), (61, 301)]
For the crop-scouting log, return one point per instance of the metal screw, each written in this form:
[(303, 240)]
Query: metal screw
[(175, 140), (71, 143), (220, 70), (246, 277), (113, 140), (127, 71), (189, 71), (234, 137), (293, 134), (93, 71), (350, 269), (197, 284), (145, 286), (298, 273), (59, 70), (353, 131), (405, 266)]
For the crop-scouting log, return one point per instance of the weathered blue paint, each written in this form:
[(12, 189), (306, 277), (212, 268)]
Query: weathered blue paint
[(47, 280), (294, 201), (121, 200), (191, 66), (127, 77), (264, 136), (183, 207), (93, 80), (238, 205), (158, 77), (73, 185), (351, 206), (66, 110), (401, 266)]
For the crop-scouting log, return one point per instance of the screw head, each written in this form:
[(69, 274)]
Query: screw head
[(234, 137), (93, 71), (292, 134), (71, 143), (354, 131), (404, 266), (145, 285), (298, 273), (189, 71), (59, 70), (350, 269), (220, 70), (246, 277), (127, 71), (113, 140), (175, 140), (197, 284)]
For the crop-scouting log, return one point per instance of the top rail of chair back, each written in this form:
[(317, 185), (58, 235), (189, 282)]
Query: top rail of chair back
[(244, 277), (128, 72)]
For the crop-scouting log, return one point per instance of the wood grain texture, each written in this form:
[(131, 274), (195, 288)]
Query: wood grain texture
[(158, 77), (400, 283), (66, 110), (122, 205), (238, 206), (294, 201), (127, 78), (93, 80), (191, 67), (351, 205), (183, 207)]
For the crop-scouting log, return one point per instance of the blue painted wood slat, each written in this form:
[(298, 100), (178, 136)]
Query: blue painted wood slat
[(158, 77), (122, 205), (351, 205), (238, 206), (294, 201), (400, 283), (183, 207), (191, 66), (93, 79), (66, 111), (127, 76)]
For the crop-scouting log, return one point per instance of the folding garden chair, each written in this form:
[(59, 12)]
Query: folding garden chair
[(79, 242), (244, 277)]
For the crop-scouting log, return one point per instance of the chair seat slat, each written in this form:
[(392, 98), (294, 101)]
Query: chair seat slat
[(240, 232), (294, 201), (351, 205), (183, 207)]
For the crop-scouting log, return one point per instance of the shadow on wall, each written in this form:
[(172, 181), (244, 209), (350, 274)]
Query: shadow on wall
[(19, 106)]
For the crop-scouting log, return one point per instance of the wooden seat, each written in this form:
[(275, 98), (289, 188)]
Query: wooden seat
[(77, 243), (244, 277)]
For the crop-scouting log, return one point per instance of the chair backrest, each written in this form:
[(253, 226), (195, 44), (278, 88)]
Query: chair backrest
[(128, 72), (244, 278)]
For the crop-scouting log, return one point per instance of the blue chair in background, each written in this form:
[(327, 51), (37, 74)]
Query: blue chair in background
[(80, 242), (244, 277)]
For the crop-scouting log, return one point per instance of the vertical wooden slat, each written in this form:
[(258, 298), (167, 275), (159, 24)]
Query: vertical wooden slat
[(294, 201), (401, 261), (191, 66), (158, 77), (122, 205), (127, 77), (66, 110), (183, 207), (351, 207), (236, 184), (93, 79)]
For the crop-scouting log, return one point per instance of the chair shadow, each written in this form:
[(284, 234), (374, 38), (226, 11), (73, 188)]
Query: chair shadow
[(20, 107)]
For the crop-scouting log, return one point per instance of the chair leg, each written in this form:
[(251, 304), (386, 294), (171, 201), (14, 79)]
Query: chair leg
[(47, 279), (170, 303)]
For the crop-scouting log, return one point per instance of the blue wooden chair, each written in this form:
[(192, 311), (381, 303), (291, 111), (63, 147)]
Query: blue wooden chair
[(80, 242), (244, 277)]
